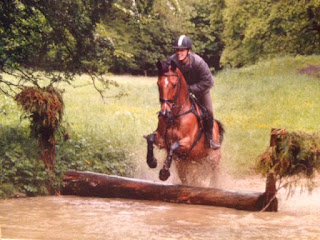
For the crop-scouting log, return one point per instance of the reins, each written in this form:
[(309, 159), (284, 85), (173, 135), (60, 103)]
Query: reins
[(174, 100), (175, 116)]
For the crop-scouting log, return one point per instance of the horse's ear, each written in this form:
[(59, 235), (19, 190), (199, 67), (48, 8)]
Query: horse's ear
[(173, 66), (159, 66)]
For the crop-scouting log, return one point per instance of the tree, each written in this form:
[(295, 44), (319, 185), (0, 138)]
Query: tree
[(58, 38), (257, 30), (208, 24), (142, 32), (45, 108), (159, 24)]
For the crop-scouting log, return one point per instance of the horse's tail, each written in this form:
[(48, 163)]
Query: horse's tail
[(221, 131)]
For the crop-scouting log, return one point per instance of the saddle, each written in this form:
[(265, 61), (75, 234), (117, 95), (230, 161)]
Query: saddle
[(202, 114), (199, 110)]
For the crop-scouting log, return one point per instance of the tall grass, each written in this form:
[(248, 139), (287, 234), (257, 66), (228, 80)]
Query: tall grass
[(248, 101), (252, 100), (119, 122)]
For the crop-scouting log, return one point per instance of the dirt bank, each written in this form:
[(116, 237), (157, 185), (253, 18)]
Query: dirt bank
[(311, 70)]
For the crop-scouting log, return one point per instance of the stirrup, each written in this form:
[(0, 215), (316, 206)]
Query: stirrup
[(213, 145)]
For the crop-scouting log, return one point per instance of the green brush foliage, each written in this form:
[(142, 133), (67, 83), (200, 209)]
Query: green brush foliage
[(44, 106), (295, 153), (20, 169)]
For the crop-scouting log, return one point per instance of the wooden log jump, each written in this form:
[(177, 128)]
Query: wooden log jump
[(91, 184)]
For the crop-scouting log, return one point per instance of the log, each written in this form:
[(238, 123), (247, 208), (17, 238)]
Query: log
[(92, 184)]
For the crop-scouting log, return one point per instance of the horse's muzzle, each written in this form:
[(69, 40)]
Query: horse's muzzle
[(165, 114)]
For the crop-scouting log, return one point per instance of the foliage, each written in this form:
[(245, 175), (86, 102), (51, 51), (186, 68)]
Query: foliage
[(22, 172), (295, 153), (55, 36), (20, 168), (240, 32), (91, 154), (45, 107), (207, 19), (258, 30), (125, 36), (7, 190), (142, 33)]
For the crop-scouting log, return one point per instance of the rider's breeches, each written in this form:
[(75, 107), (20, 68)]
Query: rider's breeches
[(206, 101)]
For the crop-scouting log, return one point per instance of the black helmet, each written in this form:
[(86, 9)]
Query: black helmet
[(182, 42)]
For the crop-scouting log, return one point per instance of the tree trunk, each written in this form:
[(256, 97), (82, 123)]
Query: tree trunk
[(101, 185), (47, 143), (47, 148)]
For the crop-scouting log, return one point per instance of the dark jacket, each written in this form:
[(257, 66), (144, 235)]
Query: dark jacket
[(197, 74)]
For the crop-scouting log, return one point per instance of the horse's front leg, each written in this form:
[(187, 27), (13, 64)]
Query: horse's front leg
[(151, 160), (164, 172)]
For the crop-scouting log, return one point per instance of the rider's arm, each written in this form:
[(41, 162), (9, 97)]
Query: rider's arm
[(205, 82)]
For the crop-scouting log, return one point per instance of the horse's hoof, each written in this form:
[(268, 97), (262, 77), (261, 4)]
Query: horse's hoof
[(164, 174), (152, 163)]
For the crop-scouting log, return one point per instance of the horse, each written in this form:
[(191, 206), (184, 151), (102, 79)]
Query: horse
[(180, 129)]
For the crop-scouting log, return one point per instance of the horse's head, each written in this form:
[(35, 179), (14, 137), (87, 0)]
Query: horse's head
[(169, 84)]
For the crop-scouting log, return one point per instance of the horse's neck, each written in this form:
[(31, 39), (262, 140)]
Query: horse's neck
[(184, 91)]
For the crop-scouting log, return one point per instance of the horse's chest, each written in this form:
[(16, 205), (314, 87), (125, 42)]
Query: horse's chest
[(174, 133)]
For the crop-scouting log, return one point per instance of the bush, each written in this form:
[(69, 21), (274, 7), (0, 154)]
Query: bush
[(22, 171), (19, 164), (294, 153), (88, 153)]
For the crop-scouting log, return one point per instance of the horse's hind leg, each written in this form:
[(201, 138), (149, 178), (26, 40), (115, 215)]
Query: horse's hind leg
[(151, 160), (164, 172)]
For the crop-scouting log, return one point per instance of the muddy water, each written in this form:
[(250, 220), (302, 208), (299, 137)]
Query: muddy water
[(70, 217)]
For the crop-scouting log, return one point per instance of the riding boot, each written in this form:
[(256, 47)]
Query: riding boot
[(208, 129)]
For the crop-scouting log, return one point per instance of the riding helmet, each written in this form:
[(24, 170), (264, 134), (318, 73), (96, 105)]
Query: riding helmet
[(182, 42)]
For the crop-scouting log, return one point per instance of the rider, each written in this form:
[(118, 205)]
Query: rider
[(199, 79)]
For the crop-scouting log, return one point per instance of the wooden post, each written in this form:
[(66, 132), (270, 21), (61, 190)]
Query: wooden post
[(271, 201), (102, 185)]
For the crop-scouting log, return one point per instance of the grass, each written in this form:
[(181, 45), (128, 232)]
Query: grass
[(122, 122), (252, 100), (248, 101)]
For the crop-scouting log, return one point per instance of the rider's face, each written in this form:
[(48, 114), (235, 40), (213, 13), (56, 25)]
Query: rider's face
[(182, 53)]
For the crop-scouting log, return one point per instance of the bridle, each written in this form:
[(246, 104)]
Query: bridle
[(164, 100), (177, 115), (174, 100)]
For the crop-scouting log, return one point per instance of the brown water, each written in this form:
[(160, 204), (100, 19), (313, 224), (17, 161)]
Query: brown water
[(70, 217)]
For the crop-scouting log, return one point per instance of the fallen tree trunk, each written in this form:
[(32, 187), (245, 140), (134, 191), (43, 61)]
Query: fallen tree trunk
[(91, 184)]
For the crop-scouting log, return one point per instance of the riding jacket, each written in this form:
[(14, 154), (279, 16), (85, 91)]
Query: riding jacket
[(197, 74)]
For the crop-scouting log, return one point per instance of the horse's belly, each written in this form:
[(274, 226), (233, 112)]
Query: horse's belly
[(199, 155)]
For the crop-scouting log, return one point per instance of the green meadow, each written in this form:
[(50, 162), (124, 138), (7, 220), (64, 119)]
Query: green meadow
[(253, 100), (107, 135)]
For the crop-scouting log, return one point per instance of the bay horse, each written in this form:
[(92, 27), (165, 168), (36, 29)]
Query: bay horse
[(180, 129)]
